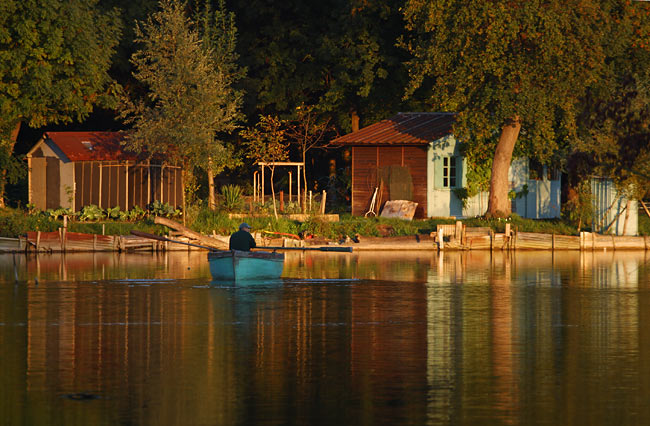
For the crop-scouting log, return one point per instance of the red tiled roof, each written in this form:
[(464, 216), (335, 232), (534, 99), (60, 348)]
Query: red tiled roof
[(405, 128), (90, 146)]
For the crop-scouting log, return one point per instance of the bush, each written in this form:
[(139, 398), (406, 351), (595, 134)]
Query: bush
[(232, 197), (15, 222)]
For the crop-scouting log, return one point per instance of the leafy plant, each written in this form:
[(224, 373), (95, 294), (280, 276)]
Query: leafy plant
[(59, 213), (232, 197), (91, 212), (113, 212), (136, 213), (163, 209)]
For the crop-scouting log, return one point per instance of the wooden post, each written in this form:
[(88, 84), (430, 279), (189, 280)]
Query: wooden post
[(458, 234), (255, 185), (148, 182), (94, 242), (101, 172), (62, 238), (103, 229), (491, 239), (126, 185), (593, 241), (298, 193), (310, 200), (262, 186), (322, 204), (507, 235), (282, 201), (290, 186), (553, 241), (38, 240), (441, 241)]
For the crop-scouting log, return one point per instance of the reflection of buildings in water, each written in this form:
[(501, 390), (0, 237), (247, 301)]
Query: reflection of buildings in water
[(519, 321), (379, 265), (94, 266)]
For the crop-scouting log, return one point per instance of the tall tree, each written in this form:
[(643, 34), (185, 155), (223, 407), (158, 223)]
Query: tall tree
[(614, 120), (512, 70), (219, 34), (54, 62), (337, 55), (187, 101), (306, 131)]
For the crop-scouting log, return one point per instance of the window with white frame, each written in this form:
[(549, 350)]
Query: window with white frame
[(449, 172)]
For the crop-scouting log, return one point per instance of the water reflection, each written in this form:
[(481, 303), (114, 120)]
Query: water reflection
[(367, 338)]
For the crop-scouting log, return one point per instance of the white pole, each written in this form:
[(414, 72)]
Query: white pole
[(289, 186), (262, 188)]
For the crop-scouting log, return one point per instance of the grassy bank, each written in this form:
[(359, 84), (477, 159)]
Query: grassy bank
[(17, 222)]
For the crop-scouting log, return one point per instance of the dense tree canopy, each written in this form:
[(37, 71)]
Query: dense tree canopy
[(188, 99), (54, 62), (511, 70), (336, 55), (614, 120)]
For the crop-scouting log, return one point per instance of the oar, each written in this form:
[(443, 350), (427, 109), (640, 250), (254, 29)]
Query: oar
[(339, 249), (159, 238)]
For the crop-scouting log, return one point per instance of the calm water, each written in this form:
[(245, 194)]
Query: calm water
[(342, 339)]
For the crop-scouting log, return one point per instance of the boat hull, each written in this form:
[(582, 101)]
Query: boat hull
[(236, 265)]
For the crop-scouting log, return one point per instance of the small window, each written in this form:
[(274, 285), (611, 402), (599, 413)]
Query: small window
[(88, 145), (449, 172)]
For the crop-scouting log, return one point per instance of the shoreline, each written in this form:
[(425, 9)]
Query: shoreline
[(467, 239)]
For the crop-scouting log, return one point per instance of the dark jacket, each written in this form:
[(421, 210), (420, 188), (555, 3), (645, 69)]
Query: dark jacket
[(242, 240)]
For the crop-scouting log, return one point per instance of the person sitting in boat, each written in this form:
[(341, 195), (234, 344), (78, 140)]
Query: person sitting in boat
[(242, 240)]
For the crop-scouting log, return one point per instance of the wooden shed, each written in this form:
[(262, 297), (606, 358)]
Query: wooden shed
[(76, 169), (392, 156)]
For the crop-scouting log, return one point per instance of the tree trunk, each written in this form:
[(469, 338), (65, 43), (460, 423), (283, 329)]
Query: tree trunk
[(303, 206), (354, 118), (13, 136), (275, 210), (498, 201), (628, 207), (184, 201), (211, 194)]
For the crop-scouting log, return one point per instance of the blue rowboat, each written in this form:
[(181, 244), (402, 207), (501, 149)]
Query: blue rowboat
[(237, 265)]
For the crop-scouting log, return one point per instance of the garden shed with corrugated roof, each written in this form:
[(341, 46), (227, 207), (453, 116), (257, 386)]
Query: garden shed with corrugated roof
[(76, 169)]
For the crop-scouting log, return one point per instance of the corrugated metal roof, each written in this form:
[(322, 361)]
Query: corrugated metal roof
[(405, 128), (90, 146)]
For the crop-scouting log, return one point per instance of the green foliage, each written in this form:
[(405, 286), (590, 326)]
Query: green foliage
[(163, 209), (189, 97), (91, 213), (232, 197), (499, 63), (60, 212), (54, 62), (118, 228), (644, 224), (136, 213), (579, 209), (15, 222), (339, 57)]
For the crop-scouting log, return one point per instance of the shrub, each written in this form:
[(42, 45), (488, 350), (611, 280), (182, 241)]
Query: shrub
[(232, 197)]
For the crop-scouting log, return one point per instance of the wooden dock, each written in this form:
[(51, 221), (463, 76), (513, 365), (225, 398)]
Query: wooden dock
[(457, 237)]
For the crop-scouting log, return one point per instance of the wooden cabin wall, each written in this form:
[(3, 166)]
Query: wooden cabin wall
[(367, 159)]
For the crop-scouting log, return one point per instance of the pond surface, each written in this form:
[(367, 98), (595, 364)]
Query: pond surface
[(343, 339)]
